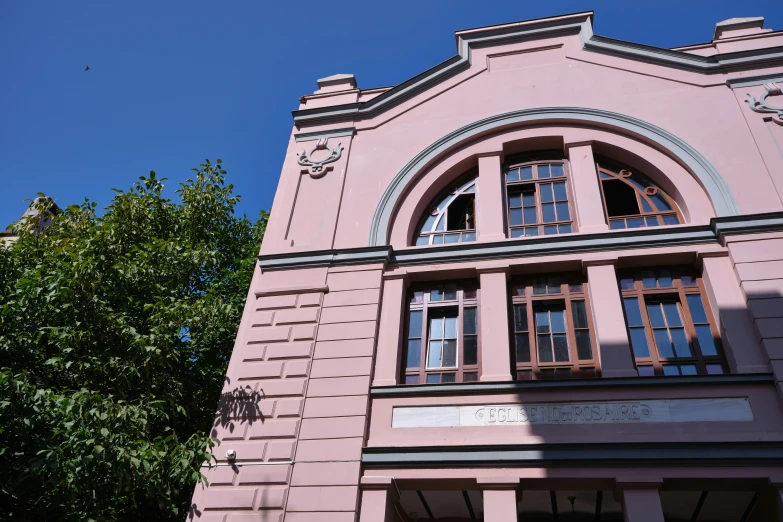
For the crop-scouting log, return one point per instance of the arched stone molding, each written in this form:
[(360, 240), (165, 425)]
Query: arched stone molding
[(701, 169)]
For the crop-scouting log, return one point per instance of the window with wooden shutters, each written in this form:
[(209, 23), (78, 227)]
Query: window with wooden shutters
[(670, 324), (552, 329), (441, 341)]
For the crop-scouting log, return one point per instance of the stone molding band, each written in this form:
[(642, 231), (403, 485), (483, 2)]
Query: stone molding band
[(531, 247), (578, 23), (318, 135), (712, 454), (487, 388), (708, 176)]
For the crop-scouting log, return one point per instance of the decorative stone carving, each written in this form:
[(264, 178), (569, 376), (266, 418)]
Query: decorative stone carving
[(762, 106), (318, 168)]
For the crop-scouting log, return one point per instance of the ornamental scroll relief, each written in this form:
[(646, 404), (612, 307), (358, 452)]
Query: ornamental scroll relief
[(762, 106), (318, 168), (608, 412)]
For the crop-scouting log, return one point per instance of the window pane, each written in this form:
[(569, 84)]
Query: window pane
[(518, 290), (672, 314), (525, 375), (422, 240), (522, 342), (513, 175), (520, 318), (470, 350), (632, 313), (433, 378), (706, 340), (451, 292), (561, 348), (451, 328), (515, 216), (469, 291), (671, 369), (639, 343), (617, 224), (436, 294), (414, 353), (553, 285), (452, 238), (543, 171), (565, 229), (663, 343), (646, 206), (714, 369), (688, 369), (670, 220), (688, 281), (558, 321), (698, 314), (665, 279), (546, 374), (450, 353), (531, 231), (646, 371), (469, 236), (579, 313), (557, 170), (411, 379), (635, 222), (544, 349), (526, 173), (530, 215), (470, 377), (681, 346), (660, 202), (469, 321), (441, 226), (651, 221), (437, 240), (515, 201), (436, 327), (414, 324), (560, 192), (648, 278), (576, 287), (562, 373), (539, 286), (542, 322), (448, 377), (656, 316), (518, 232), (546, 192), (549, 212), (418, 297), (584, 348), (529, 199), (550, 230), (434, 356), (562, 211), (627, 283)]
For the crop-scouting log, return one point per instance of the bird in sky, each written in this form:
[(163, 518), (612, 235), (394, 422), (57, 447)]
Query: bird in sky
[(87, 68)]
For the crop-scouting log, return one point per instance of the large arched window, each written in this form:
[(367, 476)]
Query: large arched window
[(631, 200), (538, 195), (453, 218)]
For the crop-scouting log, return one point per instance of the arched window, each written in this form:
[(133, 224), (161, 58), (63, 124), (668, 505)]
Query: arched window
[(453, 219), (631, 200), (538, 200)]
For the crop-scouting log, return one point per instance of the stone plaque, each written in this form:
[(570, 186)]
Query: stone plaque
[(603, 412)]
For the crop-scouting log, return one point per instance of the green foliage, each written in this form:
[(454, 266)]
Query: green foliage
[(115, 333)]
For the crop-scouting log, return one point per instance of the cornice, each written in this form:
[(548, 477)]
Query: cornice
[(579, 23), (540, 246)]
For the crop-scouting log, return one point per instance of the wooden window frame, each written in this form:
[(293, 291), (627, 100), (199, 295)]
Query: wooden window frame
[(426, 306), (517, 187), (567, 295), (621, 173), (679, 291)]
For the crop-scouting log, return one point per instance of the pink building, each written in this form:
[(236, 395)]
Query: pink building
[(542, 280)]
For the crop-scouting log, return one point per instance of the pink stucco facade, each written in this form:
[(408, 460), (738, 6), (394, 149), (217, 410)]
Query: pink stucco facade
[(536, 356)]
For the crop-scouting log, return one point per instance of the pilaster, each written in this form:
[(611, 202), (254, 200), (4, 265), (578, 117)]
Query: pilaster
[(500, 498), (495, 348), (584, 180), (389, 351), (491, 219)]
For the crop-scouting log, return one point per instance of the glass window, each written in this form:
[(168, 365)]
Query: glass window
[(631, 200), (441, 344), (453, 219), (669, 324), (538, 201), (552, 335)]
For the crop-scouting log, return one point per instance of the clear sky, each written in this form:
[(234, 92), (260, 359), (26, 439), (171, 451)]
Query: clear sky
[(174, 82)]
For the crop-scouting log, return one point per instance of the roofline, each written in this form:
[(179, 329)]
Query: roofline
[(578, 23)]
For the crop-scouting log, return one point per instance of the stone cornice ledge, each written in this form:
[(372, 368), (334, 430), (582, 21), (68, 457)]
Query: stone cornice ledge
[(486, 388), (530, 247), (756, 453)]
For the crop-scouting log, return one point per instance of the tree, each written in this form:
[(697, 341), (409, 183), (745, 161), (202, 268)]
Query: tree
[(115, 333)]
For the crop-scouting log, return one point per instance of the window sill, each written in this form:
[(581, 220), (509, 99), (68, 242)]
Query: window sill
[(460, 388)]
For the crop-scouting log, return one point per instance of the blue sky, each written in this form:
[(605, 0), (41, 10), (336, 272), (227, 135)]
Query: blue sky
[(174, 82)]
